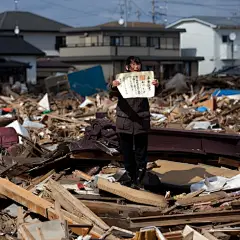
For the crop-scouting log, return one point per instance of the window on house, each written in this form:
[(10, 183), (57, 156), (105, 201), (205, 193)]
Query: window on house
[(106, 40), (163, 43), (116, 41), (143, 41), (149, 42), (156, 42), (88, 41), (153, 42), (60, 42), (176, 43), (169, 43), (225, 38), (134, 41), (94, 41)]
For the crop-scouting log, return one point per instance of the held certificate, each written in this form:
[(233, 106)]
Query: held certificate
[(136, 84)]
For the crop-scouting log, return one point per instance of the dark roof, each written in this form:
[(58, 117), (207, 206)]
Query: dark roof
[(12, 64), (14, 45), (111, 58), (224, 22), (51, 63), (28, 22), (132, 24), (131, 27), (230, 71)]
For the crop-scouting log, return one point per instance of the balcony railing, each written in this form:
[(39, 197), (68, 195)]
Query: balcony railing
[(105, 44)]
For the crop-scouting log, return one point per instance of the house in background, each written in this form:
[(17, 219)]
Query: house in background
[(18, 59), (209, 37), (41, 32), (110, 44)]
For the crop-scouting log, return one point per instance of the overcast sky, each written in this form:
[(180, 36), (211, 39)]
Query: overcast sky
[(93, 12)]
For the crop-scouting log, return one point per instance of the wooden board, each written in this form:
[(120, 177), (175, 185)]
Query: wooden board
[(181, 174), (133, 195), (105, 209), (38, 205), (74, 205)]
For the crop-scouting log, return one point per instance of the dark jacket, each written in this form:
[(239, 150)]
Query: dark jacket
[(133, 115)]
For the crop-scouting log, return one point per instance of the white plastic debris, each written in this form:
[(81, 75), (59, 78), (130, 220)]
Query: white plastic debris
[(217, 183), (30, 124), (86, 103), (44, 103), (19, 129)]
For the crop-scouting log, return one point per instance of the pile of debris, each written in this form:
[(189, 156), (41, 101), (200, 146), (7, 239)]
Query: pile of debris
[(55, 194), (61, 168), (207, 110)]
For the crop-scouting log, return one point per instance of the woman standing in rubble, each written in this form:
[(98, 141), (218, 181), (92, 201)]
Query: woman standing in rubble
[(133, 123)]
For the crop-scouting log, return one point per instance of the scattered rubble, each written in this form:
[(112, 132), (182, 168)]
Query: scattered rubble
[(61, 165)]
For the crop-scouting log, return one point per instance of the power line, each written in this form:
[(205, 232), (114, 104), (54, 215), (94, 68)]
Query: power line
[(138, 14), (149, 14), (140, 9), (72, 9), (153, 11), (199, 5)]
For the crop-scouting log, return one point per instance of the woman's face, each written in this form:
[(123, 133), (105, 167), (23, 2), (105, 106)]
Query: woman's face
[(134, 67)]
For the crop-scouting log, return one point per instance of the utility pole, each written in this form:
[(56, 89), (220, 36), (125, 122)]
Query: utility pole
[(16, 5), (138, 13), (16, 29), (153, 11), (126, 12), (159, 11), (165, 13)]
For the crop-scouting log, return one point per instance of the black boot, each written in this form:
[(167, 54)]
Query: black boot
[(140, 177), (126, 180)]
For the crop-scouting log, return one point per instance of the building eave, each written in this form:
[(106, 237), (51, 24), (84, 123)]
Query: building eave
[(228, 27), (119, 29), (23, 54), (180, 21), (122, 58), (28, 31)]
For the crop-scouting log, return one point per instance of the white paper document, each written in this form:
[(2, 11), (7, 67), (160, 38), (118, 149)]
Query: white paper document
[(136, 84)]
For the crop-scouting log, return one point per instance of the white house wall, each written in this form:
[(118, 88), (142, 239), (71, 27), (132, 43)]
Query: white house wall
[(32, 72), (44, 41), (224, 49), (199, 40)]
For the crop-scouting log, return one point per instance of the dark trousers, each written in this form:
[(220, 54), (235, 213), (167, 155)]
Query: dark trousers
[(134, 151)]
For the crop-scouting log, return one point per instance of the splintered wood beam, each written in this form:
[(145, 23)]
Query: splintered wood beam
[(107, 209), (38, 205), (133, 195), (74, 205)]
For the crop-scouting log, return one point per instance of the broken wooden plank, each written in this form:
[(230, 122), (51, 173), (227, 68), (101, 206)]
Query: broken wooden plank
[(189, 218), (195, 235), (38, 180), (98, 198), (74, 205), (201, 199), (177, 203), (208, 235), (229, 162), (133, 195), (194, 194), (82, 175), (105, 209), (36, 204)]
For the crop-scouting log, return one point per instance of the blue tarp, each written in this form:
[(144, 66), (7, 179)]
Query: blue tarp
[(225, 92), (87, 82)]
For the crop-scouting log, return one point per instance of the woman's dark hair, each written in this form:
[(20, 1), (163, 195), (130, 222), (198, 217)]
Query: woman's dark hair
[(133, 59)]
